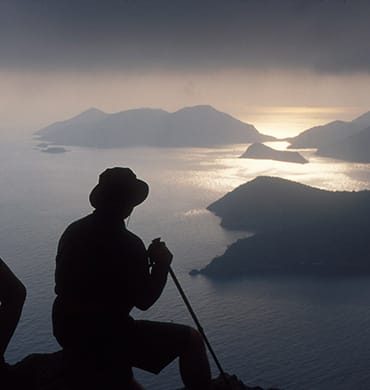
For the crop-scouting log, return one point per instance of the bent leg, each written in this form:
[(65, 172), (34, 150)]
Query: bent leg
[(194, 365), (154, 345), (12, 297)]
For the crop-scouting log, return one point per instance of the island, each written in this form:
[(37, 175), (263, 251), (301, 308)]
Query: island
[(261, 151), (297, 229), (54, 150), (198, 126)]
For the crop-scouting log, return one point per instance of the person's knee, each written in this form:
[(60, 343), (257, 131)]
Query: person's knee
[(194, 365), (196, 339)]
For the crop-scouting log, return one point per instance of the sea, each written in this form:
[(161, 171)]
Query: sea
[(306, 333)]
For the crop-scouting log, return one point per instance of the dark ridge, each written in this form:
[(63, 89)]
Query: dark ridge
[(299, 229)]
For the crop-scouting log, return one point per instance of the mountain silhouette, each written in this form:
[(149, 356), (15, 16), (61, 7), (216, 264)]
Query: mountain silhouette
[(261, 151), (199, 126), (320, 136), (355, 148), (267, 203), (296, 228)]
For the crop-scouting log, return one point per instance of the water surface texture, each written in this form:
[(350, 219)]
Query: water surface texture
[(292, 333)]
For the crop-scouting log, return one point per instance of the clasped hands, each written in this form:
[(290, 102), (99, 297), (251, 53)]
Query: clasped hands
[(159, 254)]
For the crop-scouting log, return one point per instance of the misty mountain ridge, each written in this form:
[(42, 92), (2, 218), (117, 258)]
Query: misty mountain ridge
[(320, 136), (297, 228), (348, 141), (355, 148), (198, 126), (363, 120)]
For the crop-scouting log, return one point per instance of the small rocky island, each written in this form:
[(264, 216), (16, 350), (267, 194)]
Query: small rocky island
[(297, 229), (54, 150), (261, 151)]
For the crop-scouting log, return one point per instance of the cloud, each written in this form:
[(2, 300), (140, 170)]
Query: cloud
[(320, 35)]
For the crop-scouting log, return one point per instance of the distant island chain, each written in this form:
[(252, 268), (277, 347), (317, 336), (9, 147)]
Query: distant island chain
[(204, 126)]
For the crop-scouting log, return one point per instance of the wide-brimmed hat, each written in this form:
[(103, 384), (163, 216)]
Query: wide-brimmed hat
[(118, 186)]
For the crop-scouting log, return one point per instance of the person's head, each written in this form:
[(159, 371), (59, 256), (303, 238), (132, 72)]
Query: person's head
[(119, 191)]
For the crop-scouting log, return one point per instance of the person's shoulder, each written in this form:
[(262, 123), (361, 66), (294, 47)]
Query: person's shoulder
[(78, 225), (77, 234), (133, 238), (86, 220)]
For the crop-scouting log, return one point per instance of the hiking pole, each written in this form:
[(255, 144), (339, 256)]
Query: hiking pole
[(195, 319), (197, 323)]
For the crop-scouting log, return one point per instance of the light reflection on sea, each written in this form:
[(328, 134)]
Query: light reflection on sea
[(223, 170)]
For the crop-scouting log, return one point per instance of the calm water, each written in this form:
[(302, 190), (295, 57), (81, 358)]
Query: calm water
[(292, 333)]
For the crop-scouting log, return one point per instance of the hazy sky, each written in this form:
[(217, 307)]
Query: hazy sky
[(280, 64)]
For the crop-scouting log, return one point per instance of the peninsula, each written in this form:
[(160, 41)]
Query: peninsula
[(297, 229)]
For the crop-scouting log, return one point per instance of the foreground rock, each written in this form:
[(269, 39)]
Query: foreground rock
[(261, 151), (37, 371), (45, 372), (233, 383)]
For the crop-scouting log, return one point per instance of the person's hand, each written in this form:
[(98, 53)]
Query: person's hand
[(159, 254)]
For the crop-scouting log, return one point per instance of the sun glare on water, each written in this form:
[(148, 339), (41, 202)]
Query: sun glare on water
[(222, 172), (289, 121)]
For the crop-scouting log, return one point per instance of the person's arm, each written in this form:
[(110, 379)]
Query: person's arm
[(12, 297), (160, 259)]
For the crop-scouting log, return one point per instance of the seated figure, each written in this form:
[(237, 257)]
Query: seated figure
[(102, 272)]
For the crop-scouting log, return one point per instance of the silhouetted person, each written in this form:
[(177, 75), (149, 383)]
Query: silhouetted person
[(12, 297), (102, 272)]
